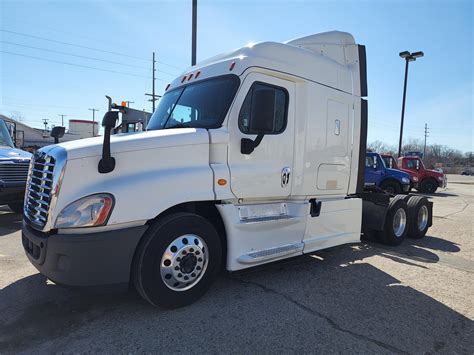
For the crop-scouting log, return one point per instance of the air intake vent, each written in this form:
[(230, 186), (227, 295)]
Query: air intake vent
[(39, 189), (14, 172)]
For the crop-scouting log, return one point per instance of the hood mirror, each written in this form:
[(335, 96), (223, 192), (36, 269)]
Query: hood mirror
[(107, 163), (57, 132)]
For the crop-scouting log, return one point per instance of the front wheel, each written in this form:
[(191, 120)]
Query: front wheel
[(429, 186), (177, 260), (391, 187)]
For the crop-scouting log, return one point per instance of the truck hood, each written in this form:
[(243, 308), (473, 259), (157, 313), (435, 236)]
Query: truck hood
[(127, 142), (13, 154), (397, 173)]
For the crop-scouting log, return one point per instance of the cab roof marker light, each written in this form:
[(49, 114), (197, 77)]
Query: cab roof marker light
[(190, 76), (232, 65), (167, 87), (197, 74), (184, 78)]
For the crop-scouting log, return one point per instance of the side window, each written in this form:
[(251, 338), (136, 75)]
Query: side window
[(275, 111), (411, 164)]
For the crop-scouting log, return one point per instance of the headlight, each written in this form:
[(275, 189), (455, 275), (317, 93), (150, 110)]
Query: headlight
[(405, 180), (440, 178), (415, 179), (89, 211)]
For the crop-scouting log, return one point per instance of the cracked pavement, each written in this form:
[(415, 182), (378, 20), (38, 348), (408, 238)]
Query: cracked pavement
[(358, 298)]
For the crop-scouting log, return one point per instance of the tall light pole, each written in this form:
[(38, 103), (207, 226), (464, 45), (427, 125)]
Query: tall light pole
[(194, 34), (409, 57), (93, 120)]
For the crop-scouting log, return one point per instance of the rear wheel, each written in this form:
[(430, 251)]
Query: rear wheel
[(177, 260), (395, 229), (419, 216), (16, 207), (429, 186), (392, 187)]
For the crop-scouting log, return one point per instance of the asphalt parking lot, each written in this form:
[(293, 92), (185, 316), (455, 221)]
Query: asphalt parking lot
[(359, 298)]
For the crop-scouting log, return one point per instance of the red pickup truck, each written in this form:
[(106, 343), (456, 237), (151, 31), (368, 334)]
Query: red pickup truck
[(423, 180)]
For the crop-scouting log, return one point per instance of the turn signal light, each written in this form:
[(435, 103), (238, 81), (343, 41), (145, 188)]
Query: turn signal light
[(222, 182)]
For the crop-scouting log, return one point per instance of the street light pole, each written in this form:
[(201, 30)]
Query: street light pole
[(409, 57), (403, 110)]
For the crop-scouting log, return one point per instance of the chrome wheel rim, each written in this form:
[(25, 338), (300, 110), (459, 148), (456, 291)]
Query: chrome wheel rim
[(184, 262), (399, 222), (422, 218)]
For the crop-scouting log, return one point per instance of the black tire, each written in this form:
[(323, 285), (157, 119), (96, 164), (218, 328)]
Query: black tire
[(429, 186), (391, 235), (419, 216), (16, 207), (147, 265), (392, 187)]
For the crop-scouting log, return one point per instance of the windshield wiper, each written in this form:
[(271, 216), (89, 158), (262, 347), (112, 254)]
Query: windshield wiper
[(178, 125)]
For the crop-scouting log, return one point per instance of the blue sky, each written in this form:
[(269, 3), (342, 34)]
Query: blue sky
[(440, 87)]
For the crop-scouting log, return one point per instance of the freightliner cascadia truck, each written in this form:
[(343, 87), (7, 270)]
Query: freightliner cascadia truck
[(252, 156)]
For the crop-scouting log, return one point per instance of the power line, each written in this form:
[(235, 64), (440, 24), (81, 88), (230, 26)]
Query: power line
[(73, 55), (72, 44), (86, 47), (78, 65)]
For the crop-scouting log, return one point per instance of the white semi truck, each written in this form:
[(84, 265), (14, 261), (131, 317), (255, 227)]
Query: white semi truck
[(252, 156)]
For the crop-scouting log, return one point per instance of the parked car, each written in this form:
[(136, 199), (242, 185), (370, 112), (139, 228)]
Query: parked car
[(14, 165), (428, 180), (391, 163), (390, 180), (467, 172)]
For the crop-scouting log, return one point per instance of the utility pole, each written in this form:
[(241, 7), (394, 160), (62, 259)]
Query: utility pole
[(62, 119), (93, 120), (194, 34), (409, 57), (153, 95), (153, 99), (45, 122), (426, 135)]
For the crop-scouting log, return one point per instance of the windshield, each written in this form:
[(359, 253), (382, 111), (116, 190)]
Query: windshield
[(203, 104), (5, 139), (389, 162)]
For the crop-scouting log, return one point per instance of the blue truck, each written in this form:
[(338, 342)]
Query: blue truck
[(390, 180), (14, 165)]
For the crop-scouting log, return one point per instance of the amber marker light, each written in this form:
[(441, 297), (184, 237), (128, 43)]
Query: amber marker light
[(222, 182), (197, 75), (232, 65)]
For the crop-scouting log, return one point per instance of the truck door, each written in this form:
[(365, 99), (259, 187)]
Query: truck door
[(373, 170), (266, 172)]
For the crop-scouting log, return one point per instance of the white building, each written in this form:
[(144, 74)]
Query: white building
[(34, 138)]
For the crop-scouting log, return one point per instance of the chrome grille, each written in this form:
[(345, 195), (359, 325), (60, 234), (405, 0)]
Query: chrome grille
[(14, 172), (39, 188)]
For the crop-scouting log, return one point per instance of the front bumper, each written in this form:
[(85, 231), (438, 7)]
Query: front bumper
[(443, 183), (11, 193), (92, 259)]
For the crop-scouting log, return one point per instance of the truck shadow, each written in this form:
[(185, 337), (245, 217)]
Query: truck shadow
[(329, 301), (9, 221)]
